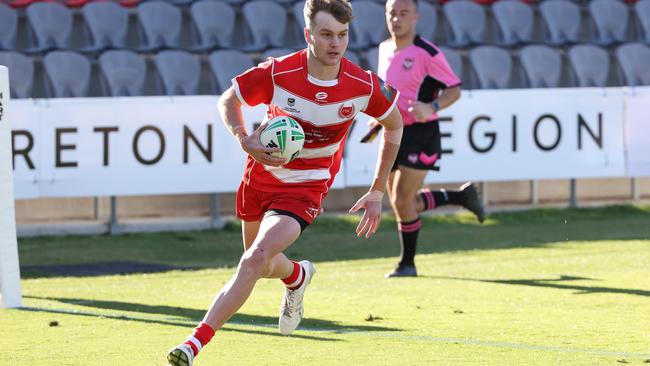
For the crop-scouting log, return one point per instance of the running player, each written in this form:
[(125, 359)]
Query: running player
[(276, 201), (420, 72)]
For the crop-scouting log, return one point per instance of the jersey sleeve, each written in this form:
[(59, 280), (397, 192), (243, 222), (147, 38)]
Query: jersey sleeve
[(439, 69), (382, 98), (255, 85)]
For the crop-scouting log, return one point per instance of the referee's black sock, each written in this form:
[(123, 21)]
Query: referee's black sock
[(408, 235), (444, 197)]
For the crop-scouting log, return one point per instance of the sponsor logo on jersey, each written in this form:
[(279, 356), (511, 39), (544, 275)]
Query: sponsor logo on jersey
[(321, 96), (408, 63), (346, 111), (291, 102)]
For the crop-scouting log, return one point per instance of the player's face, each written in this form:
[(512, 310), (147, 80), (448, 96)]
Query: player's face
[(327, 39), (401, 16)]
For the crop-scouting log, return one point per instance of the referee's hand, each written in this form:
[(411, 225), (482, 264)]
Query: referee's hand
[(262, 154), (421, 111)]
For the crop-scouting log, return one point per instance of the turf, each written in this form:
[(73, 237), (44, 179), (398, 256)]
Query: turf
[(542, 287)]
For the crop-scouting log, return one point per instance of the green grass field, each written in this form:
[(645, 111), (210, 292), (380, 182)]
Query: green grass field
[(542, 287)]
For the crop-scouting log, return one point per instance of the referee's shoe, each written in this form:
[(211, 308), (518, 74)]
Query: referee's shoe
[(471, 201)]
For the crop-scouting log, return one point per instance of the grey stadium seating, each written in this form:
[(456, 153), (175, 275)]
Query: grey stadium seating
[(515, 20), (214, 22), (21, 73), (590, 64), (542, 65), (611, 18), (227, 64), (68, 73), (633, 58), (161, 23), (180, 72), (267, 22), (467, 23), (124, 72), (51, 24), (562, 21), (369, 25), (493, 67), (8, 27), (108, 25)]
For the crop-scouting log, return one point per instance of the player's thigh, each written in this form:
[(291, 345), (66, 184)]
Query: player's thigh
[(408, 181), (276, 233), (249, 230)]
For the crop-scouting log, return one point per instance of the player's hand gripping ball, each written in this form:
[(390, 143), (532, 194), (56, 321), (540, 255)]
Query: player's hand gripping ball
[(285, 133)]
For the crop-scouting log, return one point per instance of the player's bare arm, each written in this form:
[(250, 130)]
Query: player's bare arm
[(230, 111), (422, 111), (371, 201)]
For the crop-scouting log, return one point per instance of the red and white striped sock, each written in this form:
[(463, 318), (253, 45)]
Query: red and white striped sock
[(203, 333), (296, 278)]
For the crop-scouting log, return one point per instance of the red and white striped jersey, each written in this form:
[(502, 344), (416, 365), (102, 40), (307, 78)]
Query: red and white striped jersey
[(324, 109)]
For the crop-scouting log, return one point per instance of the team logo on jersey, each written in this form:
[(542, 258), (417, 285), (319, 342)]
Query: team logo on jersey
[(321, 96), (291, 102), (407, 64), (387, 90), (346, 111)]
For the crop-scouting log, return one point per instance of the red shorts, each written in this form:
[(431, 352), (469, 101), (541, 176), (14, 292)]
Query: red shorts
[(252, 204)]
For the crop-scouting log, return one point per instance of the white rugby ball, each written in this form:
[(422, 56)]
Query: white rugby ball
[(285, 133)]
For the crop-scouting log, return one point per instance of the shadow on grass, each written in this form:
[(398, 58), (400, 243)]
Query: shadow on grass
[(557, 283), (189, 317), (333, 238)]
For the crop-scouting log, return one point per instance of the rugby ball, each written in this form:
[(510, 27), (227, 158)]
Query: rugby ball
[(285, 133)]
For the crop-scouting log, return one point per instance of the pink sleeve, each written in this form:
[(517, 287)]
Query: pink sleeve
[(439, 69)]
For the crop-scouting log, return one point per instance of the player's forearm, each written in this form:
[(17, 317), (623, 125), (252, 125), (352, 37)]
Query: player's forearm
[(388, 149), (448, 97), (387, 154), (230, 111)]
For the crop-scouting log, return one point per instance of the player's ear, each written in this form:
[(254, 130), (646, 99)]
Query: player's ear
[(307, 35)]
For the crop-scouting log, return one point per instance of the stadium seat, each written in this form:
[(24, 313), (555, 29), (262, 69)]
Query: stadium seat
[(633, 58), (267, 22), (180, 72), (455, 61), (372, 58), (161, 23), (68, 73), (492, 65), (515, 21), (226, 64), (562, 21), (543, 66), (353, 57), (21, 73), (276, 52), (590, 65), (611, 18), (124, 72), (108, 24), (369, 25), (298, 15), (428, 21), (214, 22), (642, 9), (467, 22), (19, 4), (8, 27), (51, 24)]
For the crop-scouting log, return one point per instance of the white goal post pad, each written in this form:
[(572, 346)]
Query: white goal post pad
[(10, 293)]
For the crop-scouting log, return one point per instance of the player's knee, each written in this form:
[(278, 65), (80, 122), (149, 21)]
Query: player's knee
[(402, 202), (255, 262)]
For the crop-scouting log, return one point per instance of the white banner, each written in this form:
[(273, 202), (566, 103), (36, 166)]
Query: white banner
[(10, 292), (497, 135), (637, 111), (175, 145)]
